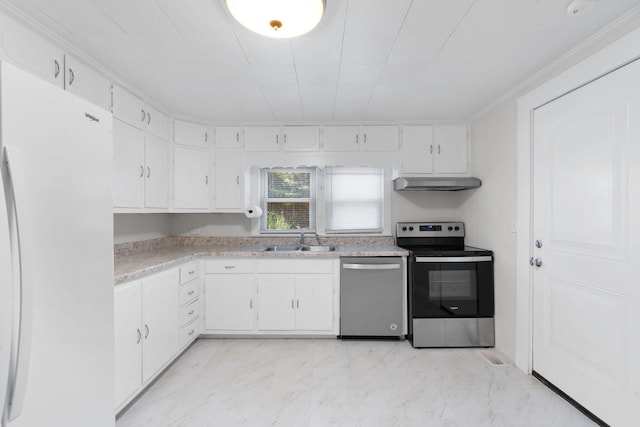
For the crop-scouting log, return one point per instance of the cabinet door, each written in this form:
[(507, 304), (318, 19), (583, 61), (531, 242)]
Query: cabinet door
[(128, 108), (128, 166), (301, 138), (341, 138), (86, 83), (191, 178), (276, 302), (127, 307), (156, 123), (262, 138), (156, 173), (451, 148), (229, 194), (229, 137), (229, 302), (380, 138), (192, 134), (160, 321), (314, 302), (417, 149), (29, 51)]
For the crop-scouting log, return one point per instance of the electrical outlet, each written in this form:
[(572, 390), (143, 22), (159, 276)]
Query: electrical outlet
[(514, 225)]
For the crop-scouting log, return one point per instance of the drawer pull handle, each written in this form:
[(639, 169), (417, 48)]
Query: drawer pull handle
[(190, 292), (251, 304), (191, 312), (229, 267), (192, 332), (146, 331), (139, 336), (192, 272)]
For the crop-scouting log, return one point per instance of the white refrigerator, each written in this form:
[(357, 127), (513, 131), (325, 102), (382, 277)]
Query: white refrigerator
[(56, 257)]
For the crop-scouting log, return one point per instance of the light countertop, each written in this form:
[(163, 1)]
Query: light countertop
[(133, 264)]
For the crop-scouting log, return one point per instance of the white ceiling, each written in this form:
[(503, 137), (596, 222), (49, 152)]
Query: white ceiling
[(368, 60)]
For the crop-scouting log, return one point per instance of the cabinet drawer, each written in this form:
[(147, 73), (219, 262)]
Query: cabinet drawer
[(189, 292), (228, 266), (189, 312), (189, 332), (293, 266), (189, 272)]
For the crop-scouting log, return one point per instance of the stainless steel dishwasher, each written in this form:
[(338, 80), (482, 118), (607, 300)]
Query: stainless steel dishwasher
[(371, 297)]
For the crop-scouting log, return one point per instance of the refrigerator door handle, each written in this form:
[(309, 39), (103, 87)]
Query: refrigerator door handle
[(22, 348), (6, 294)]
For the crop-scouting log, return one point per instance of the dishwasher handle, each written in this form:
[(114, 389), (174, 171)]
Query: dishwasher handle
[(371, 266)]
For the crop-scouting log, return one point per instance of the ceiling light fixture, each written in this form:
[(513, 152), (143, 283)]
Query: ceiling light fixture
[(277, 18)]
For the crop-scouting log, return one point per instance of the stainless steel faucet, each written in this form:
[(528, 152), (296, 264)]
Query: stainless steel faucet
[(302, 238), (318, 239)]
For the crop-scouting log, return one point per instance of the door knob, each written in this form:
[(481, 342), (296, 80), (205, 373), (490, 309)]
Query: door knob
[(535, 261)]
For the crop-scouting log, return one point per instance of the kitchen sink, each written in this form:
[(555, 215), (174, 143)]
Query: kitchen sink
[(317, 248), (299, 248), (281, 248)]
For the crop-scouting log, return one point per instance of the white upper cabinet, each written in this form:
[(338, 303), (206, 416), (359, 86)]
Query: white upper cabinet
[(191, 178), (134, 111), (31, 52), (287, 138), (86, 83), (301, 138), (229, 182), (195, 135), (361, 138), (417, 149), (380, 138), (451, 150), (157, 154), (262, 138), (128, 166), (341, 138), (229, 138), (441, 150)]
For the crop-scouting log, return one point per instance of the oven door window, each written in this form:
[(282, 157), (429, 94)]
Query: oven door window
[(445, 290)]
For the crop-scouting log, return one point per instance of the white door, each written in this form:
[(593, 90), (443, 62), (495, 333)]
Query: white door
[(262, 138), (128, 166), (229, 195), (586, 293), (229, 302), (417, 149), (156, 173), (160, 315), (191, 178), (276, 302), (341, 138), (380, 138), (314, 302), (301, 138), (451, 150), (128, 340), (81, 80)]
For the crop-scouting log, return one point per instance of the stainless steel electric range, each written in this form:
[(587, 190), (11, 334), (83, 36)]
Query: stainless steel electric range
[(451, 296)]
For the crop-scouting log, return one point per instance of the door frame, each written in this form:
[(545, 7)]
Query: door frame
[(615, 55)]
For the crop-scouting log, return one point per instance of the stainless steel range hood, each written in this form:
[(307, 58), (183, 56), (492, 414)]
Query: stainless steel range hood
[(435, 184)]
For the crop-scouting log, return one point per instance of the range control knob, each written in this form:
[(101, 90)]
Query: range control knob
[(450, 228), (410, 228), (457, 228), (404, 228)]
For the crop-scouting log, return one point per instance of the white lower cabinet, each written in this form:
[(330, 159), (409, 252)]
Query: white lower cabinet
[(271, 296), (155, 317), (296, 302)]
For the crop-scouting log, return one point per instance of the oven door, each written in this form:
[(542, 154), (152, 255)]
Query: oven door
[(452, 287)]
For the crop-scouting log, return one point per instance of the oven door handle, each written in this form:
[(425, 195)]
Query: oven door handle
[(443, 259), (371, 266)]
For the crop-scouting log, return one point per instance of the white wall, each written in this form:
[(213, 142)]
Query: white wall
[(135, 227), (489, 211)]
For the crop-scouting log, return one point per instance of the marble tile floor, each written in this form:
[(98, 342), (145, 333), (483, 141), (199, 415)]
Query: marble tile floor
[(330, 382)]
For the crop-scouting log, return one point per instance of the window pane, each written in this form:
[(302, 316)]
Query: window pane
[(289, 185), (355, 200), (287, 216)]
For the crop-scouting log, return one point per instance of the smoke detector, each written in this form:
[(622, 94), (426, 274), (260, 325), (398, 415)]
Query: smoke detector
[(577, 7)]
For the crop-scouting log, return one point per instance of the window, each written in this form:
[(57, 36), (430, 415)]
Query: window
[(354, 200), (288, 199)]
